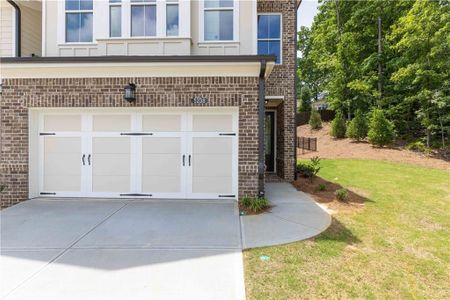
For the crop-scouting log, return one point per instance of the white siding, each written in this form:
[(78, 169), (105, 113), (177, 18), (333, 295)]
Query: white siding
[(7, 19), (31, 28)]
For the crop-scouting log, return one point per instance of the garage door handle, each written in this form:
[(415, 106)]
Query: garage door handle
[(184, 160), (189, 160), (89, 159), (82, 159)]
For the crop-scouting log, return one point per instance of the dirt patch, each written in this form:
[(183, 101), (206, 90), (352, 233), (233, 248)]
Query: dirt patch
[(355, 201), (329, 147), (247, 212)]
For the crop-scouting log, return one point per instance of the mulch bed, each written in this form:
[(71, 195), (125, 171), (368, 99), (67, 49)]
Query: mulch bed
[(355, 199), (248, 212)]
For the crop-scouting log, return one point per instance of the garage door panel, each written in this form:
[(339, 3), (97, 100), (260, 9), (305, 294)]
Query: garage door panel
[(111, 123), (112, 145), (55, 123), (215, 185), (212, 165), (62, 145), (111, 164), (212, 123), (161, 123), (161, 184), (111, 184), (62, 183), (161, 145), (213, 145), (161, 164), (62, 164)]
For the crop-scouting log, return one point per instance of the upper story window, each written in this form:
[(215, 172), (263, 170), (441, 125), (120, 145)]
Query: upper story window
[(143, 17), (172, 18), (269, 35), (79, 20), (218, 20), (115, 18)]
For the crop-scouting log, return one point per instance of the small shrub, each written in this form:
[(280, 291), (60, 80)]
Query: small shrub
[(255, 205), (338, 126), (315, 121), (419, 146), (357, 128), (321, 187), (2, 188), (341, 195), (309, 169), (381, 130)]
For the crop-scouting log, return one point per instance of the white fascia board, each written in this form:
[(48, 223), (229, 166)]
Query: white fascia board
[(112, 70)]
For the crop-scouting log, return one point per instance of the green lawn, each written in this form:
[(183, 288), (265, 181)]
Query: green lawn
[(397, 247)]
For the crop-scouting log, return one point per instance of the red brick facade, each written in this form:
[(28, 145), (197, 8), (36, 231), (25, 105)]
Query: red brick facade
[(282, 83), (20, 94)]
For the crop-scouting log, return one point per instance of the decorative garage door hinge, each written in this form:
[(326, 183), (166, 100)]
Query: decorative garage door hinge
[(227, 196), (47, 194), (227, 134), (136, 195), (136, 133), (47, 133)]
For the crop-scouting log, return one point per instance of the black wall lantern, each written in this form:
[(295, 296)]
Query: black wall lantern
[(130, 92)]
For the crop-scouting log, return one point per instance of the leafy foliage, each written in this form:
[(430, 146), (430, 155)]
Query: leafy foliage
[(309, 169), (305, 99), (341, 194), (408, 76), (338, 126), (381, 130), (357, 128), (255, 205), (315, 121)]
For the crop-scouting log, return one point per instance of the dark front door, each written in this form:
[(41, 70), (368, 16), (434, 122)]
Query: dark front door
[(270, 141)]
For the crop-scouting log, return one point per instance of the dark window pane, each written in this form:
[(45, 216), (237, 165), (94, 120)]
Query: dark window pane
[(218, 25), (172, 20), (150, 20), (72, 4), (274, 27), (274, 48), (263, 26), (86, 4), (86, 27), (263, 47), (137, 20), (72, 27), (115, 21)]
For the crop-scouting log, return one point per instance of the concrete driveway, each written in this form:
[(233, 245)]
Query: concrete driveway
[(116, 249)]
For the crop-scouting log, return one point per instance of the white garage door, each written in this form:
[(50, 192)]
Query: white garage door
[(167, 154)]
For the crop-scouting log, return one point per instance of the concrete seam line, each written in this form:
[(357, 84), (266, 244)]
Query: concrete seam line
[(65, 250), (293, 222)]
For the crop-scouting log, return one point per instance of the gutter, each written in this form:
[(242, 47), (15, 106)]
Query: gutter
[(261, 117), (18, 27)]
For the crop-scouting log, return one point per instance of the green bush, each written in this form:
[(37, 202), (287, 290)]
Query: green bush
[(381, 130), (338, 126), (341, 194), (2, 188), (418, 146), (309, 169), (315, 121), (321, 187), (357, 128), (255, 205)]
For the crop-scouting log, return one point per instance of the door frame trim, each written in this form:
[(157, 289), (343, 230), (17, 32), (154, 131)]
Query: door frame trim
[(275, 138)]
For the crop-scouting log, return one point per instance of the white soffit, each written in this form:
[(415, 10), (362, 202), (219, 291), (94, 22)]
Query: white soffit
[(128, 69)]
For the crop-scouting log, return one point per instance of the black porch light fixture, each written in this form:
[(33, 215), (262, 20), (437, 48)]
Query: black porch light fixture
[(130, 92)]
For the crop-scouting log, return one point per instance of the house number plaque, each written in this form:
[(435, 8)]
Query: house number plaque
[(199, 100)]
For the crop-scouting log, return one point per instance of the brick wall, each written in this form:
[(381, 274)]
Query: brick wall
[(282, 83), (20, 94)]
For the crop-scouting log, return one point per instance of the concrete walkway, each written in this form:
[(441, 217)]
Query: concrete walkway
[(293, 217)]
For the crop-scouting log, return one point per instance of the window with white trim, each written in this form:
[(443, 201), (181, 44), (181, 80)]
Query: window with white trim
[(79, 21), (115, 18), (218, 20), (172, 18), (269, 35), (143, 17)]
